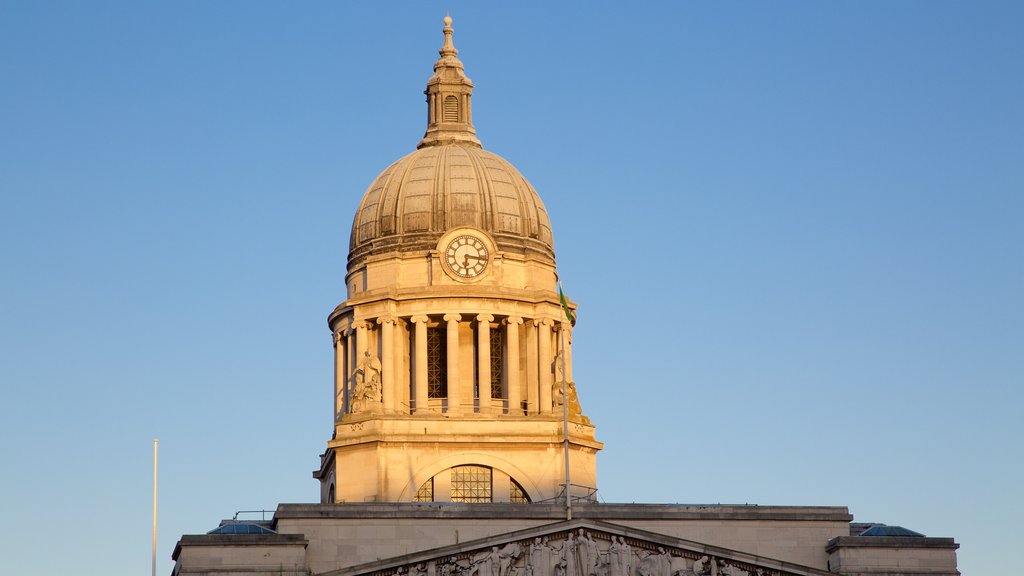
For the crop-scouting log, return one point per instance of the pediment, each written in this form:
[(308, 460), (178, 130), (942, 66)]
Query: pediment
[(579, 548)]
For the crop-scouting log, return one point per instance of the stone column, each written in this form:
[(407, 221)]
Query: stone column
[(513, 390), (387, 363), (454, 382), (483, 360), (339, 376), (350, 362), (419, 380), (532, 370), (544, 377)]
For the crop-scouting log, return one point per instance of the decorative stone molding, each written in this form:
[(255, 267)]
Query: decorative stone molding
[(579, 548)]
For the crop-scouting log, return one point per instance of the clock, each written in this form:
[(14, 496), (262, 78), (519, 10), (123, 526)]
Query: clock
[(466, 256)]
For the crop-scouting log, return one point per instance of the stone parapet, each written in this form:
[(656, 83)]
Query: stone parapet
[(545, 511), (892, 556), (250, 554)]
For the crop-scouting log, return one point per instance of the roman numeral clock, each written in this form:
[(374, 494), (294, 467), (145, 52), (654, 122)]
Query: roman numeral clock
[(466, 253)]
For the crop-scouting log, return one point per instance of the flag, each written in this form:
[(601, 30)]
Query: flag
[(565, 306)]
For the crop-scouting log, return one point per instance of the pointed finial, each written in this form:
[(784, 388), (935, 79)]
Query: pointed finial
[(449, 111), (448, 49)]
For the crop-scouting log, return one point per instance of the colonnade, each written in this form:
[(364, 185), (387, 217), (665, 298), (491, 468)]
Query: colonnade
[(381, 364)]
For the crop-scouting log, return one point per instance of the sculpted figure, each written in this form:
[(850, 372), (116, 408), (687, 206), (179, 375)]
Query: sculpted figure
[(588, 554), (450, 567), (493, 562), (367, 390), (508, 556), (627, 557), (614, 558), (656, 564), (702, 567), (569, 562), (538, 562), (575, 410)]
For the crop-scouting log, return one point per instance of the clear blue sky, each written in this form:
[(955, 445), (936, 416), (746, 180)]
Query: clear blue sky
[(794, 230)]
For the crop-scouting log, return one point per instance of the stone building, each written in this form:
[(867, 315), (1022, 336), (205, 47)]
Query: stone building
[(459, 445)]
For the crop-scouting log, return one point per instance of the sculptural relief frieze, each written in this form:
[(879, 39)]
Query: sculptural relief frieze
[(581, 552)]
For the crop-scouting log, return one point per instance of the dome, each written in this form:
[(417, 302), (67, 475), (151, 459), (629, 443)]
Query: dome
[(415, 200), (449, 181)]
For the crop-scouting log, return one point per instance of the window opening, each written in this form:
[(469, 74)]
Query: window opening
[(437, 362), (426, 492), (496, 363), (471, 484), (451, 109), (517, 494)]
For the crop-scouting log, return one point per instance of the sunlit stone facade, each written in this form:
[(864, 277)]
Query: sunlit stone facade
[(455, 413), (448, 345)]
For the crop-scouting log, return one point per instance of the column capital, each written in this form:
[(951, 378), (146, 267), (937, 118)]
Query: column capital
[(484, 318), (453, 318), (513, 320), (387, 319), (360, 324), (336, 337), (543, 322), (420, 319)]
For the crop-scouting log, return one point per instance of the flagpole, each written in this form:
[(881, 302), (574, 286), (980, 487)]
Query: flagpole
[(565, 428), (155, 443), (565, 399)]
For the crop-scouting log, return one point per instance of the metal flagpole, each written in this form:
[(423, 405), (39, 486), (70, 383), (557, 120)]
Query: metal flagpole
[(155, 442), (565, 428)]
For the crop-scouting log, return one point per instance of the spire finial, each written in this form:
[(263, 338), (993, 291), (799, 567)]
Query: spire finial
[(449, 112), (448, 49)]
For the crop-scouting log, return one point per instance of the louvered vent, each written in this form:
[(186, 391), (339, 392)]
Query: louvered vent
[(451, 109)]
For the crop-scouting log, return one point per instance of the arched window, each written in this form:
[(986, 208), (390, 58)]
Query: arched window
[(471, 484), (516, 493), (451, 109), (426, 492)]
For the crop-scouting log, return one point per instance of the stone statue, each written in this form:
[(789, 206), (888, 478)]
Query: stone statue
[(538, 562), (588, 554), (570, 564), (493, 562), (629, 559), (575, 410), (508, 556), (702, 567), (367, 394), (449, 568), (656, 564), (620, 557)]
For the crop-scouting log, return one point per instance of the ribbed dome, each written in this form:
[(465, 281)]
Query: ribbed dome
[(436, 188), (448, 182)]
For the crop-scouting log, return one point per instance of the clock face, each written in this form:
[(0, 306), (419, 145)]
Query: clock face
[(466, 256)]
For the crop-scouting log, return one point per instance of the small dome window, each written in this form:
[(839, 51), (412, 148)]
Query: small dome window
[(451, 109)]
